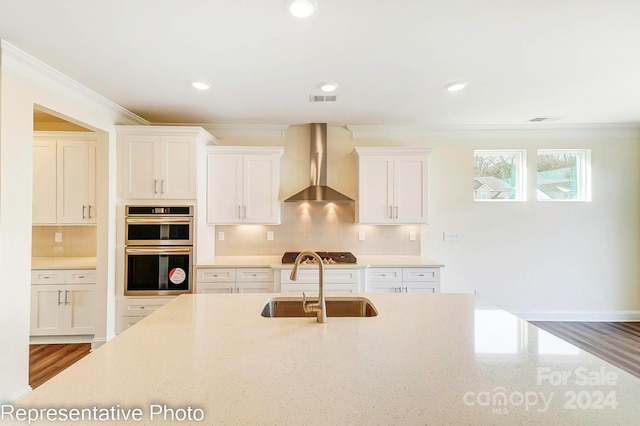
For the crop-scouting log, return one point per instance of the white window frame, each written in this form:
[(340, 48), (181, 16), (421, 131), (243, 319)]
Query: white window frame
[(583, 159), (521, 173)]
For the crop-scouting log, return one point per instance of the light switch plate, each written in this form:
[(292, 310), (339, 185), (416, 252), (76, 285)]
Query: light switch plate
[(220, 236), (412, 235), (269, 235), (57, 237), (361, 235)]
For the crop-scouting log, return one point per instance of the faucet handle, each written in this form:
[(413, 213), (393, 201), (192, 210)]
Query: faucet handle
[(305, 304)]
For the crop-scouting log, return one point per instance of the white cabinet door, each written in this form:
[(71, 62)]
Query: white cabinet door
[(44, 181), (74, 160), (383, 287), (176, 167), (410, 190), (254, 287), (78, 307), (420, 287), (261, 183), (375, 203), (224, 188), (47, 310), (139, 160)]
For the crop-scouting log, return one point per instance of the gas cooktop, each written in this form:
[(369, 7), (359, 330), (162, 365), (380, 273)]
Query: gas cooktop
[(328, 257)]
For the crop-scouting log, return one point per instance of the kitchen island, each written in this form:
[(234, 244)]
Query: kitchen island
[(424, 359)]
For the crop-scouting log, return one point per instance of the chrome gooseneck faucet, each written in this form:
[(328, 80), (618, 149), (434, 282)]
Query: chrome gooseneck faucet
[(320, 307)]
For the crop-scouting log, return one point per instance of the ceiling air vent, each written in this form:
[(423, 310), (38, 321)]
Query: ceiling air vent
[(323, 98), (540, 119)]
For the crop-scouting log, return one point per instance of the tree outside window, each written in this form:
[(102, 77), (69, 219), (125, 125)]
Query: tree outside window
[(498, 175)]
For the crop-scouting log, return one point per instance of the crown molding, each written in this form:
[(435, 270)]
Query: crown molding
[(528, 131), (27, 68), (196, 131), (247, 150), (241, 131)]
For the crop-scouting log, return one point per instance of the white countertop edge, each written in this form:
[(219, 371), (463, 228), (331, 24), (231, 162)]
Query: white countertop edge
[(39, 263)]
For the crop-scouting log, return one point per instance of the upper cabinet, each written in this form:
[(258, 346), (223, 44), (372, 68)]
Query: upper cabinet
[(64, 178), (243, 185), (160, 161), (392, 185)]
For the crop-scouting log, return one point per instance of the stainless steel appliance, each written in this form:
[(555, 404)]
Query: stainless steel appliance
[(328, 257), (158, 250)]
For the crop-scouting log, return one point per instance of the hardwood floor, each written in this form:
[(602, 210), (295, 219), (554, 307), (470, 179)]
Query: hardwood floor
[(45, 361), (616, 342)]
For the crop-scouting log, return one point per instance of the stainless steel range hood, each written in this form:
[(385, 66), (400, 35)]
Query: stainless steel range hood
[(319, 191)]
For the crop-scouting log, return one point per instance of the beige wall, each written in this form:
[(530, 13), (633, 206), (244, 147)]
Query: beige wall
[(77, 241)]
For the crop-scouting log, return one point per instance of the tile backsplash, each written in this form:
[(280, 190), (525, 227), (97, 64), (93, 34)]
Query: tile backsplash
[(319, 227), (77, 241)]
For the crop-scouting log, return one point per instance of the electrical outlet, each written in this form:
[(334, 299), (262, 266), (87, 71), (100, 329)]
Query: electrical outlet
[(220, 236), (412, 235), (451, 236), (269, 235), (57, 237), (361, 235)]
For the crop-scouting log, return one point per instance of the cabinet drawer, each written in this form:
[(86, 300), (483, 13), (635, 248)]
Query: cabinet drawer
[(310, 276), (48, 277), (420, 274), (81, 276), (213, 275), (254, 274), (140, 308), (384, 275)]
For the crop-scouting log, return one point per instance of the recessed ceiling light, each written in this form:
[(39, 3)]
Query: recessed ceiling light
[(201, 85), (303, 8), (328, 86), (454, 86)]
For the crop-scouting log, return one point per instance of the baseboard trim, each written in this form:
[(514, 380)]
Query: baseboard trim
[(583, 316), (47, 340), (96, 343), (22, 393)]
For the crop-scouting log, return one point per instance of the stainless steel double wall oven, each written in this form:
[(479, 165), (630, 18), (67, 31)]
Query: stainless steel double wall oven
[(158, 250)]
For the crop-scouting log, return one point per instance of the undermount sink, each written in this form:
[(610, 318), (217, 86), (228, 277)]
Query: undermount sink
[(288, 307)]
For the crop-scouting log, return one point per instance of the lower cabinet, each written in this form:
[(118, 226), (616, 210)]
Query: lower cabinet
[(402, 280), (338, 280), (135, 309), (62, 302), (234, 280)]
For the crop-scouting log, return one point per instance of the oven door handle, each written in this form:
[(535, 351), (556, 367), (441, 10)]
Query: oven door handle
[(157, 220), (157, 250)]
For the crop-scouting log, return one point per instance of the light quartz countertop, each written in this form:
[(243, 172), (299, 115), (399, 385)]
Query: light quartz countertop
[(425, 359), (276, 262), (63, 263)]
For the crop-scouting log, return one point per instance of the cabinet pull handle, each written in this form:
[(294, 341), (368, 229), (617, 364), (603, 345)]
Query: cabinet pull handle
[(46, 277), (59, 302), (245, 212), (390, 212), (80, 276), (155, 186), (83, 209), (383, 275), (66, 297), (396, 212), (89, 211), (141, 307), (421, 275), (239, 212), (161, 186)]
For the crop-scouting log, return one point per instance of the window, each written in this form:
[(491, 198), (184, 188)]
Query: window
[(564, 175), (499, 175)]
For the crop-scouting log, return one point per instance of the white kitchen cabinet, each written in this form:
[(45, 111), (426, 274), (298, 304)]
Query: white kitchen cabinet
[(243, 185), (338, 280), (392, 185), (402, 280), (159, 161), (234, 280), (64, 178), (62, 302), (134, 309)]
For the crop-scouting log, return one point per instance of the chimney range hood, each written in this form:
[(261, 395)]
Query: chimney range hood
[(318, 191)]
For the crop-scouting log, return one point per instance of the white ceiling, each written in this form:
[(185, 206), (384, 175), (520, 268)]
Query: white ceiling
[(577, 59)]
